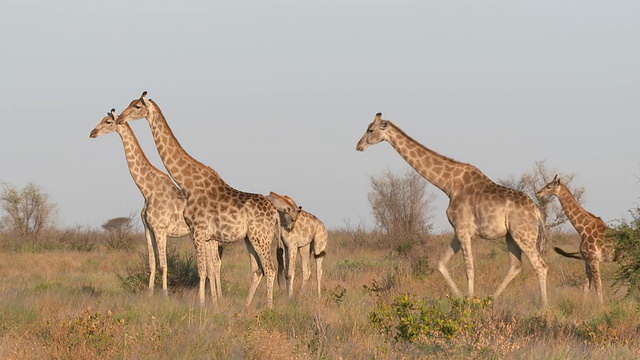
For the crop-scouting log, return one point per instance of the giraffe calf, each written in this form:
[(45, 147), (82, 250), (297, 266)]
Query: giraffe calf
[(301, 232), (595, 246)]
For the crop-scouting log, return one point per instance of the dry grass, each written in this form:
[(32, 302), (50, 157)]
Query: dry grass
[(70, 304)]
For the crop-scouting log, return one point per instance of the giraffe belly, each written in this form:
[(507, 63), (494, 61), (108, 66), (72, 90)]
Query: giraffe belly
[(491, 232)]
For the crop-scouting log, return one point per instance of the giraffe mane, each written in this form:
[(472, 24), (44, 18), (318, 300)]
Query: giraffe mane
[(446, 158), (180, 148)]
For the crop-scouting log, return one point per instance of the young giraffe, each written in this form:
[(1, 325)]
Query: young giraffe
[(164, 202), (215, 211), (308, 235), (478, 207), (595, 246)]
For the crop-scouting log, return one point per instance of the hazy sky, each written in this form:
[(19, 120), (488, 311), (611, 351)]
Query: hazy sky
[(274, 95)]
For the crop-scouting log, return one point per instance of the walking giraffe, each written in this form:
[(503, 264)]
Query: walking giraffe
[(595, 246), (215, 211), (308, 235), (164, 203), (478, 207)]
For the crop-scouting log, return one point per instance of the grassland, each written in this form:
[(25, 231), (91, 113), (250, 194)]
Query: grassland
[(58, 303)]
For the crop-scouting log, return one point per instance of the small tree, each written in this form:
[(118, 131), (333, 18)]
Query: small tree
[(535, 179), (29, 210), (121, 232), (401, 208)]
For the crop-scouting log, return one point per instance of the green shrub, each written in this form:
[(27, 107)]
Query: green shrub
[(626, 237), (408, 319)]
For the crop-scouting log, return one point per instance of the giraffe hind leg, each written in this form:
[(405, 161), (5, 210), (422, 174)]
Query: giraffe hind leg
[(256, 273), (515, 265), (588, 281), (538, 264), (453, 248)]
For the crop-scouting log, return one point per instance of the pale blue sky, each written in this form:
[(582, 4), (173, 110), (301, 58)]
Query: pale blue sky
[(274, 95)]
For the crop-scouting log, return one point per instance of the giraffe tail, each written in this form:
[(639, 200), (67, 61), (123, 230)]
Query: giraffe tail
[(280, 253), (573, 255), (541, 243)]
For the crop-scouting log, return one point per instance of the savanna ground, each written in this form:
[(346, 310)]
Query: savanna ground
[(380, 300)]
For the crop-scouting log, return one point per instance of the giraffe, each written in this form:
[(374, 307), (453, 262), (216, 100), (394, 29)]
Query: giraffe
[(215, 211), (308, 235), (478, 207), (595, 246), (164, 202)]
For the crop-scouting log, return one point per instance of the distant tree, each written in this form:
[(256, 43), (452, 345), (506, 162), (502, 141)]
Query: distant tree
[(535, 179), (121, 230), (400, 204), (28, 211)]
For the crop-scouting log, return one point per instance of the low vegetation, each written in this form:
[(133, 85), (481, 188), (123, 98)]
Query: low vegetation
[(380, 300)]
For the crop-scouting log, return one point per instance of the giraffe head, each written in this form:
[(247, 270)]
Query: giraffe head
[(287, 209), (376, 132), (106, 125), (552, 188), (137, 109)]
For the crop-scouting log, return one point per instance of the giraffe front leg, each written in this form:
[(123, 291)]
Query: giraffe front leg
[(467, 255), (211, 270), (161, 241), (199, 240), (217, 266), (319, 260), (292, 252), (305, 255), (453, 248), (597, 279), (152, 259)]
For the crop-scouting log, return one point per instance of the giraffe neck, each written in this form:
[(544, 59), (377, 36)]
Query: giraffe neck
[(444, 173), (139, 164), (577, 215), (183, 168)]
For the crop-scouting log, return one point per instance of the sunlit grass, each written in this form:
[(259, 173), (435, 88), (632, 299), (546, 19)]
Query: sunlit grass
[(70, 304)]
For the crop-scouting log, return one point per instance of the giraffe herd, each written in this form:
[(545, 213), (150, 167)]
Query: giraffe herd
[(214, 213)]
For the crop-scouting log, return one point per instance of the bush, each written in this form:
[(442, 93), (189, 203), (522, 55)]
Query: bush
[(401, 206), (408, 319), (89, 335), (182, 273), (74, 239), (29, 211), (120, 232), (626, 237)]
